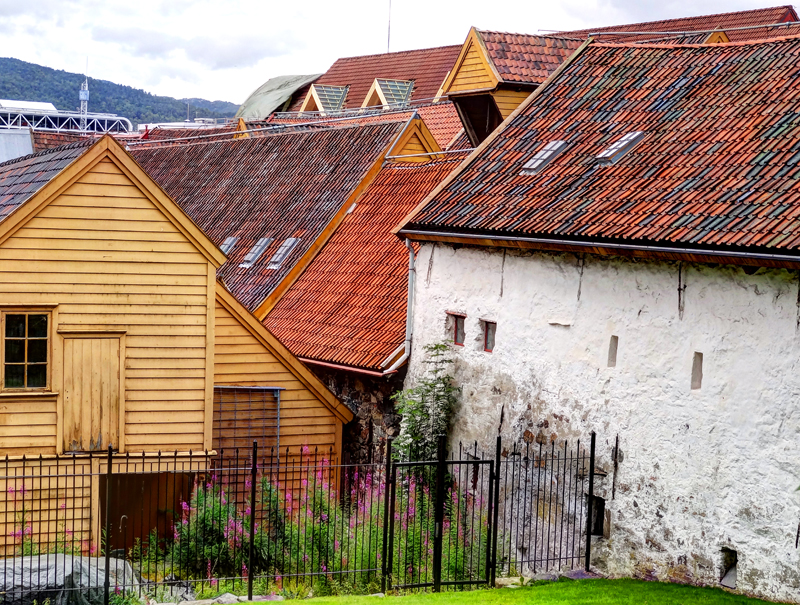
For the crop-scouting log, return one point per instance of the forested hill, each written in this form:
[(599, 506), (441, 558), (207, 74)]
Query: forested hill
[(23, 81)]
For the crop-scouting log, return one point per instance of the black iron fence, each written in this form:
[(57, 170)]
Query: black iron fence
[(173, 527)]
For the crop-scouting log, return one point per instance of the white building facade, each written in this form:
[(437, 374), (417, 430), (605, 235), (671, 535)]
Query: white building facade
[(694, 367)]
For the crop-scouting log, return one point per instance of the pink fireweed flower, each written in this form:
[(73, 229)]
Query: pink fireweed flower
[(62, 506)]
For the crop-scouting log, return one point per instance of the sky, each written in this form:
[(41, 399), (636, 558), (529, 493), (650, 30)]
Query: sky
[(223, 49)]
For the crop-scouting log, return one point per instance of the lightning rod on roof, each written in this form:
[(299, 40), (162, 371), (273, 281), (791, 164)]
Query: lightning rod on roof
[(389, 32)]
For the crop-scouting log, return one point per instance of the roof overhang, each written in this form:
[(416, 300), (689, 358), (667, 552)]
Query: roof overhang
[(642, 250)]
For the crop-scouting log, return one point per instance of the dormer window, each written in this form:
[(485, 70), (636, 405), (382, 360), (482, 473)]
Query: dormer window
[(543, 157), (325, 99), (620, 147), (285, 249), (255, 252), (228, 244), (389, 93)]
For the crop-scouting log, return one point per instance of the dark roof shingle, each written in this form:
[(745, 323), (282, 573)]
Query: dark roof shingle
[(349, 306), (280, 185), (719, 165)]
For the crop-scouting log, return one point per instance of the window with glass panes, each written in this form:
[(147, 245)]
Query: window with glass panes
[(25, 350)]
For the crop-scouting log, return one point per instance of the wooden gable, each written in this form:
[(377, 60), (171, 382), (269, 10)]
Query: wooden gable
[(718, 37), (473, 70), (247, 354), (414, 140), (127, 281)]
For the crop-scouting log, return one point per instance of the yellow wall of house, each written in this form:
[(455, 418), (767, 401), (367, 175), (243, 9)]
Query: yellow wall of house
[(508, 100), (241, 359), (473, 73), (111, 260)]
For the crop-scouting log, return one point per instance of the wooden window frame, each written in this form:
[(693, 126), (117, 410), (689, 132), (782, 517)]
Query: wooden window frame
[(486, 324), (456, 318), (43, 309)]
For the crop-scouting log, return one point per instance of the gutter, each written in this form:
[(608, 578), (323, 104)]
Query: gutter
[(412, 278), (434, 235)]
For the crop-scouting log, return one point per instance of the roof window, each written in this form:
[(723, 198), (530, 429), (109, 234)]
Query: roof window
[(256, 251), (285, 249), (389, 93), (543, 157), (324, 98), (229, 243), (620, 147)]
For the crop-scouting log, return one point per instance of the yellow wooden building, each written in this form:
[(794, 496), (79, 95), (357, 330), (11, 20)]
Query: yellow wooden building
[(117, 333)]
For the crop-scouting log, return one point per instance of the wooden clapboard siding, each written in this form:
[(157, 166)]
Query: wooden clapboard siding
[(508, 100), (246, 354), (472, 73), (112, 260)]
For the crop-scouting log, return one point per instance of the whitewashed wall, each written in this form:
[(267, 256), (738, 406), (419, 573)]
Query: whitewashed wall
[(701, 469)]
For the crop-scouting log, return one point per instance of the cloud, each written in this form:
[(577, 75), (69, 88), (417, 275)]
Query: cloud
[(218, 52)]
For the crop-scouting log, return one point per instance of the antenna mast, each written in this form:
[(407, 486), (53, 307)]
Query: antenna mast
[(84, 96), (389, 33)]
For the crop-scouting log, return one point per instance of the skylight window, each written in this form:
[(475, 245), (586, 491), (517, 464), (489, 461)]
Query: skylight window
[(620, 147), (257, 250), (285, 249), (229, 243), (543, 157), (331, 98), (396, 92)]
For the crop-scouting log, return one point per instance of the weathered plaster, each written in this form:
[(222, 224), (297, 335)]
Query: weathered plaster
[(701, 469)]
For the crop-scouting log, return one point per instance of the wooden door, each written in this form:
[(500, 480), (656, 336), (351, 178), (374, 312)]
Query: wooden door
[(92, 393)]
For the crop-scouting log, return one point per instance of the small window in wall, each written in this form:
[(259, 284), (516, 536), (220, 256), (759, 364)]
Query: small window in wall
[(458, 328), (612, 351), (697, 371), (255, 252), (229, 243), (489, 330), (285, 249), (26, 350)]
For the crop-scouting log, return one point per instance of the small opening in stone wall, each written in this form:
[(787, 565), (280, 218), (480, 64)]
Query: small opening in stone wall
[(598, 515), (697, 371), (612, 351), (729, 560)]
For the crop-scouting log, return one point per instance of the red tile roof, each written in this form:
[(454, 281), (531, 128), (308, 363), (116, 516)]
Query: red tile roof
[(527, 59), (442, 120), (427, 67), (288, 184), (719, 165), (45, 139), (349, 306), (723, 21), (22, 178)]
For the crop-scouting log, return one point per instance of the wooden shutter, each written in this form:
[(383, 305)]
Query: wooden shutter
[(92, 392)]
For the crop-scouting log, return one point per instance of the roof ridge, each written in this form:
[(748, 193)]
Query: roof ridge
[(744, 12), (397, 52), (750, 42), (504, 33)]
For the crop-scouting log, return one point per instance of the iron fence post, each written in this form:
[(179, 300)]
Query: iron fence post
[(387, 480), (495, 510), (251, 553), (441, 467), (107, 581), (589, 504)]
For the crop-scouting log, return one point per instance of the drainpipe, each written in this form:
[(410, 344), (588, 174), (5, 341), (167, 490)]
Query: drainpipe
[(412, 277)]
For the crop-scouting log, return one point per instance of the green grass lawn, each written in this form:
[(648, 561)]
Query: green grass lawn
[(600, 592)]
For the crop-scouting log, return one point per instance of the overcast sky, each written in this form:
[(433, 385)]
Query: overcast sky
[(222, 49)]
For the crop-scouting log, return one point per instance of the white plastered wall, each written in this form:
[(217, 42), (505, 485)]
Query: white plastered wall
[(700, 469)]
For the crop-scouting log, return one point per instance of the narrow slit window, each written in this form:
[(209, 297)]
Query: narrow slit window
[(229, 243), (25, 350), (283, 251), (697, 371), (543, 157), (458, 328), (620, 147), (257, 250), (612, 351), (489, 330)]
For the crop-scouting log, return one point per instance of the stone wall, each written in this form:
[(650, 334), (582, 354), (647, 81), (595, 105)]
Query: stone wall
[(700, 469), (369, 397)]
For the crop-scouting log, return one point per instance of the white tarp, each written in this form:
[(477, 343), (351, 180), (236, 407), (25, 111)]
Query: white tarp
[(14, 143)]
